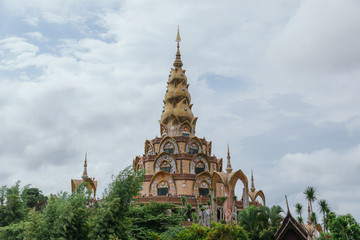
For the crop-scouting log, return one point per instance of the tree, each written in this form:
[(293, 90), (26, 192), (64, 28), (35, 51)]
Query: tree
[(310, 196), (299, 209), (344, 227), (260, 222), (324, 209), (32, 196), (2, 195), (112, 219), (153, 217)]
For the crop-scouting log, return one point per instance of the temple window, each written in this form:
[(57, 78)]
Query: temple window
[(162, 189), (169, 148), (194, 148), (204, 189), (165, 166), (150, 150), (200, 167)]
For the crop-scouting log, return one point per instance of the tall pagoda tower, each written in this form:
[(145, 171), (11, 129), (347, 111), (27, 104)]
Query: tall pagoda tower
[(179, 163)]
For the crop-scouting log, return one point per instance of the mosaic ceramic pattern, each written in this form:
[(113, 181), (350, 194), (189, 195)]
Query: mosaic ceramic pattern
[(195, 161), (193, 145), (170, 140), (200, 182), (166, 179), (185, 128), (168, 158)]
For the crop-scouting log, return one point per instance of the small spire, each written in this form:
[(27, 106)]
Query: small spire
[(252, 182), (228, 166), (178, 63), (85, 175), (178, 38)]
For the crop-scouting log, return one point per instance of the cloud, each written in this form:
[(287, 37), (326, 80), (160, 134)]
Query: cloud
[(334, 174), (278, 83), (316, 38)]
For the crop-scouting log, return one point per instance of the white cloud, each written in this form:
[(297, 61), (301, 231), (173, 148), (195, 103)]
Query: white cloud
[(100, 88), (37, 36)]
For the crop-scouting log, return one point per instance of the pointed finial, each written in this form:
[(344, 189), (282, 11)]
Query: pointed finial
[(287, 204), (85, 176), (178, 39), (252, 182), (178, 63), (228, 166)]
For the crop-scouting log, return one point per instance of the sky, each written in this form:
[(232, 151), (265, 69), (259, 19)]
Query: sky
[(276, 80)]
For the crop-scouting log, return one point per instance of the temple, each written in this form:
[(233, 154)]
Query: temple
[(90, 183), (180, 164)]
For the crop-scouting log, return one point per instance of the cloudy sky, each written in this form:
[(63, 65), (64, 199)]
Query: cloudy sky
[(277, 80)]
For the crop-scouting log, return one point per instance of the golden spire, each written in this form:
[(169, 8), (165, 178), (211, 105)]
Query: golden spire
[(178, 63), (85, 175), (228, 166), (252, 182)]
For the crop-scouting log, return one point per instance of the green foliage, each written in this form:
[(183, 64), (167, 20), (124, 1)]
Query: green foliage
[(310, 196), (227, 232), (218, 231), (32, 196), (11, 209), (194, 232), (2, 195), (111, 219), (172, 232), (153, 217), (344, 227), (14, 231), (260, 222), (299, 208), (64, 217)]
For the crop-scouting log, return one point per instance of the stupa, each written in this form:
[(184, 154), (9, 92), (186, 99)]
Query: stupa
[(180, 164)]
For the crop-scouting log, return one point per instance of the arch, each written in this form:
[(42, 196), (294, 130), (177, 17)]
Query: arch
[(219, 165), (236, 176), (171, 140), (215, 178), (199, 167), (193, 123), (163, 129), (165, 166), (261, 195), (201, 178), (191, 142), (149, 148), (199, 157), (157, 178), (185, 129), (167, 157), (138, 163)]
